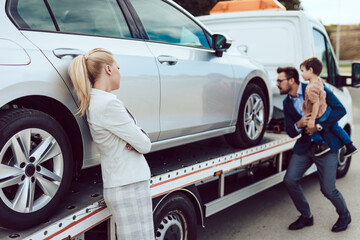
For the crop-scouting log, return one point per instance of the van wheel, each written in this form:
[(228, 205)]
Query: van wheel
[(35, 167), (252, 118), (175, 219), (343, 164)]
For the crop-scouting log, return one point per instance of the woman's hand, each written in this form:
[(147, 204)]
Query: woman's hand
[(129, 147)]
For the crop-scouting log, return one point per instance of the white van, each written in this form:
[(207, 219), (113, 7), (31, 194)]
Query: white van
[(286, 38), (283, 38)]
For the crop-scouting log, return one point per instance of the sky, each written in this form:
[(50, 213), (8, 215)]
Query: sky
[(333, 11)]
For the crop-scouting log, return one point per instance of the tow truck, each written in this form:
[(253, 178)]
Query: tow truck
[(188, 184)]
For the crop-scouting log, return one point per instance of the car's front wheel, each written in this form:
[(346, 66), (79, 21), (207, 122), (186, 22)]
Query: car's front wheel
[(252, 118), (35, 167)]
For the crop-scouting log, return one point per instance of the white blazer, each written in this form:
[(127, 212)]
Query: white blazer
[(112, 128)]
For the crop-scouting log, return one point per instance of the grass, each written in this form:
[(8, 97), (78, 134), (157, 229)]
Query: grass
[(349, 40), (345, 69)]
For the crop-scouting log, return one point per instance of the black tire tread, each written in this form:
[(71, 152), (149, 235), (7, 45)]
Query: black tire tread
[(170, 202), (8, 217)]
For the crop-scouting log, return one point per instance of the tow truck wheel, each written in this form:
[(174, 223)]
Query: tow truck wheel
[(252, 118), (35, 167), (343, 164), (175, 219)]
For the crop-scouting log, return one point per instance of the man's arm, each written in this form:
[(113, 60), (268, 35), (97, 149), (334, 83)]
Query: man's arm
[(337, 112), (291, 122), (337, 109)]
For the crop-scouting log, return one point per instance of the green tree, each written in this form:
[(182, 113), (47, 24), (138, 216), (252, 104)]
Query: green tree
[(291, 4), (197, 7)]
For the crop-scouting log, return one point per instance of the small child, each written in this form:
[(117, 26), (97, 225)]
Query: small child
[(315, 103)]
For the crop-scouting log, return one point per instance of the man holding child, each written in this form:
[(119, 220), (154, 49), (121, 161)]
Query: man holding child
[(323, 150)]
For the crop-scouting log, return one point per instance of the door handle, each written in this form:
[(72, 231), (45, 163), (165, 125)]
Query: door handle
[(167, 60), (63, 52)]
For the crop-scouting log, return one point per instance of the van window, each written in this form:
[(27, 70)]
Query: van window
[(320, 51), (164, 23), (93, 17), (323, 52), (333, 71), (31, 14)]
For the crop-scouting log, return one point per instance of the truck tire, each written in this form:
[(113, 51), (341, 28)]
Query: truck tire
[(35, 168), (175, 219), (252, 118), (343, 164)]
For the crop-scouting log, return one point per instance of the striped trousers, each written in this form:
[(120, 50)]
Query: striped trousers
[(131, 208)]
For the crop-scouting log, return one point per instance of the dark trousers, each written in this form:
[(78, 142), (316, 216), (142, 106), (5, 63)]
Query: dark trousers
[(326, 167)]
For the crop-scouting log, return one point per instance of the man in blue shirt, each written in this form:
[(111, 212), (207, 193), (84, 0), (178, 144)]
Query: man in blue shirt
[(302, 158)]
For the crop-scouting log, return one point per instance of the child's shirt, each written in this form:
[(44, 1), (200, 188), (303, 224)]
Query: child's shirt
[(314, 92)]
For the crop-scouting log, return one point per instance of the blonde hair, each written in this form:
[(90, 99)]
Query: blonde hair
[(84, 70)]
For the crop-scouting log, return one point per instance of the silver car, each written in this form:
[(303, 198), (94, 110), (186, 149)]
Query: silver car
[(178, 79)]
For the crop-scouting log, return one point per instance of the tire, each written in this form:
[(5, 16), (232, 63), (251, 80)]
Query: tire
[(36, 167), (252, 118), (175, 219), (343, 164)]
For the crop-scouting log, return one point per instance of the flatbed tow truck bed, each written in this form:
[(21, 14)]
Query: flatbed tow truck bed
[(193, 164)]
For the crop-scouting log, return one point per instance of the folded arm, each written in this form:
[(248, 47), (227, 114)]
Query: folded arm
[(119, 122)]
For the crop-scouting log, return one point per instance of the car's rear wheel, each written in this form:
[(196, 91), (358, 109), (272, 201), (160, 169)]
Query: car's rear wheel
[(252, 118), (35, 167)]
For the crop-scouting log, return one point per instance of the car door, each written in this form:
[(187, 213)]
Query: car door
[(196, 86), (64, 29)]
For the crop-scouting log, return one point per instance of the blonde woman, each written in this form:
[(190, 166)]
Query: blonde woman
[(121, 143)]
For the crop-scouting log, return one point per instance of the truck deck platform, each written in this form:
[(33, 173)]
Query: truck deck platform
[(195, 163)]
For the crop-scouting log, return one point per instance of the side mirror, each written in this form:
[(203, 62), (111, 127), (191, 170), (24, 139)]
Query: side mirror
[(220, 44), (355, 75)]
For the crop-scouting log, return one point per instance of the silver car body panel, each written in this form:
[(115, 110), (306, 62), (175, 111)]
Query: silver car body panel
[(190, 100), (175, 103), (139, 75), (11, 54), (38, 78)]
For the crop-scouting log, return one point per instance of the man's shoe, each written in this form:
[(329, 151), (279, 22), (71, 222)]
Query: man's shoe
[(342, 223), (350, 150), (301, 223), (321, 148)]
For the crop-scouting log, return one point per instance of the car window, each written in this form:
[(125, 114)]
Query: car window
[(31, 14), (165, 23), (320, 51), (92, 17)]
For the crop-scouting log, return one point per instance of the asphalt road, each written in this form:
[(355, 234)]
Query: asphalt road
[(268, 214)]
